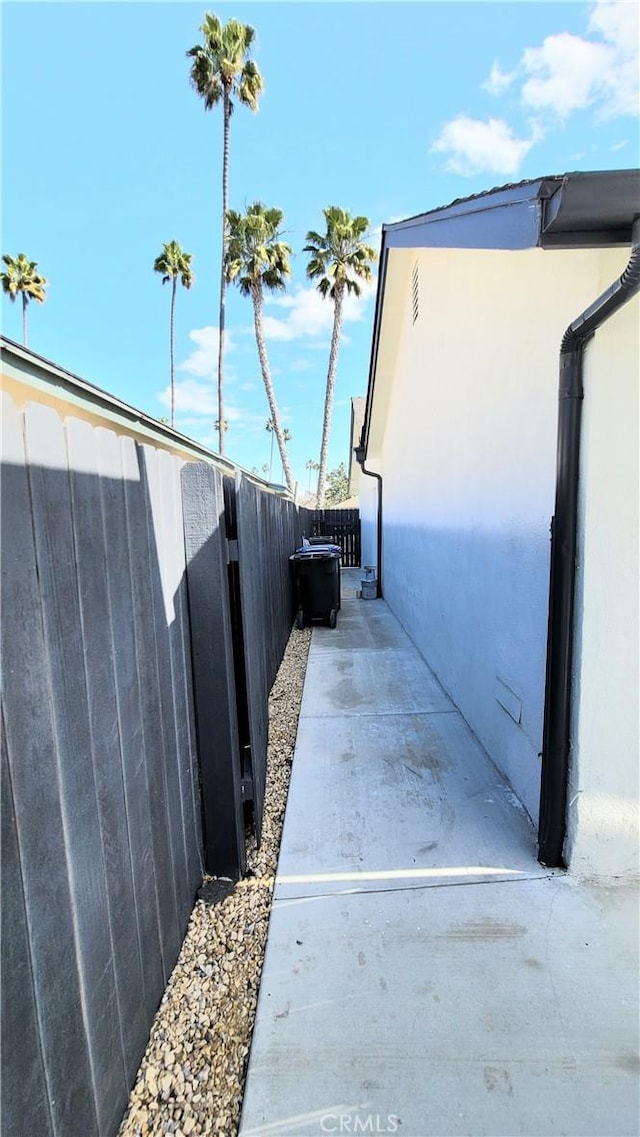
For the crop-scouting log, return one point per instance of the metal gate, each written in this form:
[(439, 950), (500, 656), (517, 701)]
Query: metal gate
[(343, 527)]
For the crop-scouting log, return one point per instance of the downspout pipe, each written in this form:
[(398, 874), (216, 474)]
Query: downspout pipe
[(360, 459), (556, 738)]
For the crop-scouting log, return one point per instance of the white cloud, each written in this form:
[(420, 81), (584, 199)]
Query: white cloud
[(203, 360), (197, 401), (310, 316), (475, 146), (619, 25), (568, 72), (307, 315), (192, 397), (498, 80)]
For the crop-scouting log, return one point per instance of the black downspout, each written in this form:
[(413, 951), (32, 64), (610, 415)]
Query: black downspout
[(556, 738), (360, 459)]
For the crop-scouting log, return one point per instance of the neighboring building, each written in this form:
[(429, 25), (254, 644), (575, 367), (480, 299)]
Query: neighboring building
[(357, 419), (461, 422)]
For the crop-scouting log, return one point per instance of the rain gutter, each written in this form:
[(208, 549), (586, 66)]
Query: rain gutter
[(360, 459), (556, 743)]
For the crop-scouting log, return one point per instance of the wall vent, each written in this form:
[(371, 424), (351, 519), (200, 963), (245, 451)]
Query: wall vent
[(415, 292)]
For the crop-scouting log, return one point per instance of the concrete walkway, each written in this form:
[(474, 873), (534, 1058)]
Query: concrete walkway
[(424, 975)]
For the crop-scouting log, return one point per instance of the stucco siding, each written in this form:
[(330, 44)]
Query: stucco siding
[(468, 457), (369, 520), (603, 834)]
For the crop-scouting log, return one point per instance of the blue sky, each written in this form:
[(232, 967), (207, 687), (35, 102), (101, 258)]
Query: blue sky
[(385, 109)]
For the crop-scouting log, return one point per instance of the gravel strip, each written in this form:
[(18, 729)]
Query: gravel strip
[(191, 1079)]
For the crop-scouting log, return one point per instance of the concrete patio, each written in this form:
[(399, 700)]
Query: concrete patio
[(424, 975)]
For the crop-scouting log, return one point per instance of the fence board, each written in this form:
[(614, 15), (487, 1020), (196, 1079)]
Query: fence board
[(111, 840), (24, 1103), (167, 708), (153, 636), (182, 679), (213, 669), (156, 898), (64, 647), (133, 839), (268, 532), (32, 758)]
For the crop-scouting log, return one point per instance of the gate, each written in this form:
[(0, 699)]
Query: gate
[(343, 527)]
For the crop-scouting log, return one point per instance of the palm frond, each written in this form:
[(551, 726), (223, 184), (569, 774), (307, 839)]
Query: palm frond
[(221, 64), (256, 257), (339, 258), (173, 262), (22, 277)]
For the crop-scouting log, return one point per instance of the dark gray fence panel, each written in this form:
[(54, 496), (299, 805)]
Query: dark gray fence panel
[(104, 661), (268, 532), (134, 837), (152, 628), (37, 806), (157, 901), (213, 669), (181, 656), (65, 661), (172, 708), (101, 826), (24, 1104)]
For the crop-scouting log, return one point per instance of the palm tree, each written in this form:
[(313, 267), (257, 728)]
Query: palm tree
[(339, 260), (257, 259), (270, 427), (221, 69), (21, 276), (287, 435), (311, 466), (172, 263)]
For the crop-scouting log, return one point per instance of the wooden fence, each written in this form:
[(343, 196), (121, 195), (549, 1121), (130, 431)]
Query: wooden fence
[(269, 529), (342, 526), (146, 603)]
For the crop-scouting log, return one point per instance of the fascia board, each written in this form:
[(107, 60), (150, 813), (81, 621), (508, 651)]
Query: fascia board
[(511, 224)]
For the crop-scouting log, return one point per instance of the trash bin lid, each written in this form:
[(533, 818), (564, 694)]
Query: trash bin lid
[(308, 552)]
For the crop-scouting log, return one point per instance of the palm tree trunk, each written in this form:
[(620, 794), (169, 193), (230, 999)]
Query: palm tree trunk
[(328, 399), (223, 276), (171, 349), (24, 318), (256, 295)]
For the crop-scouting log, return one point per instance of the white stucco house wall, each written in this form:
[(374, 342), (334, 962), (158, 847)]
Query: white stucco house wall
[(461, 422)]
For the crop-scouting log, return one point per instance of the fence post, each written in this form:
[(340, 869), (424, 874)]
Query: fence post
[(213, 670)]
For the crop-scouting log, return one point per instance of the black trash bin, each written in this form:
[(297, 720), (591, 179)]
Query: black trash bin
[(317, 578)]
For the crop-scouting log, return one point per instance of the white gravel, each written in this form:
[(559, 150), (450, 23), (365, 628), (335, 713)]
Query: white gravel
[(191, 1078)]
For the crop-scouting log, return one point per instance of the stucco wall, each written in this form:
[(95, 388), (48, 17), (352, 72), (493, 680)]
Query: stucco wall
[(468, 455), (603, 837), (369, 520)]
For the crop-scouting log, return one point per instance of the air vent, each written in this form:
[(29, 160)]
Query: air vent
[(415, 292)]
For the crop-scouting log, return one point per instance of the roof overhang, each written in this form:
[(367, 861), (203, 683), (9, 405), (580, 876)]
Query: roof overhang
[(576, 210)]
